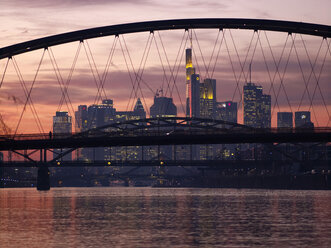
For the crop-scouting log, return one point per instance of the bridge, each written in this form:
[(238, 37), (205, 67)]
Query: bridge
[(204, 122)]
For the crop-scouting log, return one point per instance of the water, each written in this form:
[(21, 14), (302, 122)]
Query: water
[(164, 217)]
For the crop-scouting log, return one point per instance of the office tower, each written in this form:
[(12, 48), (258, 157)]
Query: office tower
[(208, 98), (264, 111), (190, 70), (194, 92), (163, 107), (101, 114), (285, 120), (129, 152), (81, 117), (98, 115), (257, 107), (226, 111), (62, 127), (302, 119)]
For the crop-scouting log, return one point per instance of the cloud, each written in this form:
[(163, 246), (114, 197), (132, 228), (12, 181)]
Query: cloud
[(70, 3)]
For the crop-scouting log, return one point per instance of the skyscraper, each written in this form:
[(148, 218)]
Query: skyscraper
[(62, 125), (257, 107), (192, 87), (302, 119), (264, 111), (163, 107), (194, 93), (81, 117), (226, 111), (208, 98), (284, 119)]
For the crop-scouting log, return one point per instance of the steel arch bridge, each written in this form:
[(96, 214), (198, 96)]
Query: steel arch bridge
[(151, 26), (322, 31)]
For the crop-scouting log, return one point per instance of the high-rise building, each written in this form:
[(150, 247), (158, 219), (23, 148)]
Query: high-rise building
[(302, 119), (208, 98), (81, 117), (194, 93), (264, 111), (130, 152), (226, 111), (62, 126), (163, 107), (101, 114), (285, 120), (257, 106), (192, 87)]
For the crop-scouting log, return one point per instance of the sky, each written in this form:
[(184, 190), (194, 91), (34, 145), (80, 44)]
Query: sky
[(22, 20)]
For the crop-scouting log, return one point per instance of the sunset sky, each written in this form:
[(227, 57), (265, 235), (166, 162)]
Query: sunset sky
[(22, 20)]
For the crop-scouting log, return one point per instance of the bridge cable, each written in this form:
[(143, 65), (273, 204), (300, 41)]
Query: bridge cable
[(23, 85), (109, 62), (242, 65), (97, 71), (277, 72), (95, 77), (164, 71), (168, 64), (236, 50), (218, 52), (304, 80), (71, 71), (212, 54), (64, 85), (174, 86), (141, 70), (203, 60), (137, 76), (272, 88), (4, 73), (60, 79), (163, 68), (29, 96), (174, 77), (316, 78), (135, 83), (127, 66), (281, 77)]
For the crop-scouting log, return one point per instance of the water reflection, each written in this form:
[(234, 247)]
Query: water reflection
[(151, 217)]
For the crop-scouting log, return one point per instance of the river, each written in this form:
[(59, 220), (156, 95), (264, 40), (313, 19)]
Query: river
[(164, 217)]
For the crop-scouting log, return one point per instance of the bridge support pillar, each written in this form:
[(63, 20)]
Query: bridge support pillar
[(43, 182)]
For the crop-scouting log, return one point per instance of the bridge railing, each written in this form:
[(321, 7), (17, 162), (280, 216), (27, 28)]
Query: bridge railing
[(166, 132)]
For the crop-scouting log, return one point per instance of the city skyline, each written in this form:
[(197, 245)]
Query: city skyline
[(82, 84)]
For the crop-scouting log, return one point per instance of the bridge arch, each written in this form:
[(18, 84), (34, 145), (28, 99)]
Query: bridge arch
[(150, 26)]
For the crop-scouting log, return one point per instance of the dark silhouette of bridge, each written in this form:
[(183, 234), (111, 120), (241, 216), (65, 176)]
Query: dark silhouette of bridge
[(163, 131)]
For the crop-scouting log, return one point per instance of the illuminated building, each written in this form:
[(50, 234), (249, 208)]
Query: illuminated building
[(81, 117), (208, 98), (194, 92), (302, 119), (285, 120), (264, 111), (129, 152), (226, 111), (101, 114), (257, 107), (62, 126), (192, 87)]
